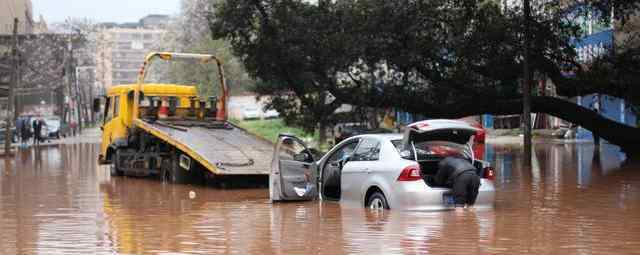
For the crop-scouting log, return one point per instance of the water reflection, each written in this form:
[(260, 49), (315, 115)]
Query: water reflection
[(557, 160), (58, 200)]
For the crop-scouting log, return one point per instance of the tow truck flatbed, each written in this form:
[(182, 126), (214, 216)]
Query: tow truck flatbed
[(222, 148)]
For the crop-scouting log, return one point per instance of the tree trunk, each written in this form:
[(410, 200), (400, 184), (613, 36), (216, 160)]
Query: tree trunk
[(620, 134), (526, 89), (322, 133)]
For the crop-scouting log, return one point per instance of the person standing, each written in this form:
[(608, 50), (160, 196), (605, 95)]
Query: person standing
[(37, 128), (19, 129), (44, 132), (26, 130)]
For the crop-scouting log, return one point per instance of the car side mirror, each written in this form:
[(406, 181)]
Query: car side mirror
[(405, 154), (101, 128), (96, 105)]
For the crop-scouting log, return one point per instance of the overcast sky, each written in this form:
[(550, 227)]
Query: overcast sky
[(102, 10)]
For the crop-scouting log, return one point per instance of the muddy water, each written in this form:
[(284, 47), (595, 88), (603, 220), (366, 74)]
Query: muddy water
[(56, 200)]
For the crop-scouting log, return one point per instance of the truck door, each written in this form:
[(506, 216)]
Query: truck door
[(107, 116), (111, 124), (293, 171)]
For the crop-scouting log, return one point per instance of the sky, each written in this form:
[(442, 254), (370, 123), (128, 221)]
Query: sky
[(102, 10)]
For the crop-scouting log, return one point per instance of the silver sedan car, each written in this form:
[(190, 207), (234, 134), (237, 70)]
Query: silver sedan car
[(379, 171)]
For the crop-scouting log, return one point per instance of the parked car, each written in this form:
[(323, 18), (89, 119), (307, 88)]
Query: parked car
[(481, 133), (345, 130), (53, 126), (250, 113), (270, 114), (379, 170)]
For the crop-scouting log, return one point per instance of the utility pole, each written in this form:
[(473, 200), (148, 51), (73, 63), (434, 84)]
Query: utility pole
[(79, 101), (526, 88), (10, 99), (68, 73)]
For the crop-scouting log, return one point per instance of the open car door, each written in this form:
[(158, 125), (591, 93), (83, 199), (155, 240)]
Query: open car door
[(293, 171)]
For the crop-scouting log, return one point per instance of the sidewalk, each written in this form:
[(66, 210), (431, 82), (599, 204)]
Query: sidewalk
[(89, 135), (515, 136)]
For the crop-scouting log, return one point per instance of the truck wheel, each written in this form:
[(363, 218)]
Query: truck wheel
[(172, 172), (377, 201), (115, 167)]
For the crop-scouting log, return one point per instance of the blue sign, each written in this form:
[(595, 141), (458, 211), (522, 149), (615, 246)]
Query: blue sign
[(594, 45)]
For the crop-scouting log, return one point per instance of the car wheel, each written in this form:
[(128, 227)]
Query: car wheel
[(377, 201)]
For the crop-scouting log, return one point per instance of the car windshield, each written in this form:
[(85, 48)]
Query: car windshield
[(434, 150)]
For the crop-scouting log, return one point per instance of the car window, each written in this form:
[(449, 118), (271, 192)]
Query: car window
[(345, 151), (289, 148), (368, 150)]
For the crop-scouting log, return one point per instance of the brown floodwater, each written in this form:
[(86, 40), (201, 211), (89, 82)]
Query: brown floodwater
[(57, 200)]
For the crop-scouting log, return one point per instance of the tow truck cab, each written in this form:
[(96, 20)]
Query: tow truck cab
[(118, 110)]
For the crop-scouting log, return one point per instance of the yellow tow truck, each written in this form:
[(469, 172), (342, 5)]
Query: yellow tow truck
[(167, 130)]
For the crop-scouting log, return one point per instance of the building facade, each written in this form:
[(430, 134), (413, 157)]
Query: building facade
[(21, 9), (121, 49)]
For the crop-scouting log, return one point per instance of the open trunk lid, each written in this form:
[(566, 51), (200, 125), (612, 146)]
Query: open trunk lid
[(455, 131)]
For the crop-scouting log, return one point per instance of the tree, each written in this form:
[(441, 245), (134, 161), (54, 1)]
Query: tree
[(437, 58), (189, 32), (290, 62)]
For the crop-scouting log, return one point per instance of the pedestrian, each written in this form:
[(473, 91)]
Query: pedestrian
[(24, 132), (457, 173), (19, 129), (37, 128), (44, 132), (73, 127)]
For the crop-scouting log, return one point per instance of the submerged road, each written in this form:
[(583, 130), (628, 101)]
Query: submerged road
[(57, 200)]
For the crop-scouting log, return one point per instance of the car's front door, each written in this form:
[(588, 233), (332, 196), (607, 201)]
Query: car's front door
[(293, 171), (361, 166), (331, 171)]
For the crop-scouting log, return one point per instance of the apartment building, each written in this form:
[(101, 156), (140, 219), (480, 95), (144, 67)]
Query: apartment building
[(21, 9), (122, 48)]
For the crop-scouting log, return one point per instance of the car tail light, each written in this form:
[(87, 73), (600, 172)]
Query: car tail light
[(489, 173), (410, 173)]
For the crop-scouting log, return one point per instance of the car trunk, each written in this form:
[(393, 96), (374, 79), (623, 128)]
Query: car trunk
[(429, 168), (451, 131)]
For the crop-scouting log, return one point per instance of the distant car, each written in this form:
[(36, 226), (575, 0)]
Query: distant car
[(53, 126), (480, 134), (346, 130), (379, 170), (250, 113), (270, 114)]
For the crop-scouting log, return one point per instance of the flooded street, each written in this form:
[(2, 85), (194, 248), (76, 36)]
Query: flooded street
[(57, 200)]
